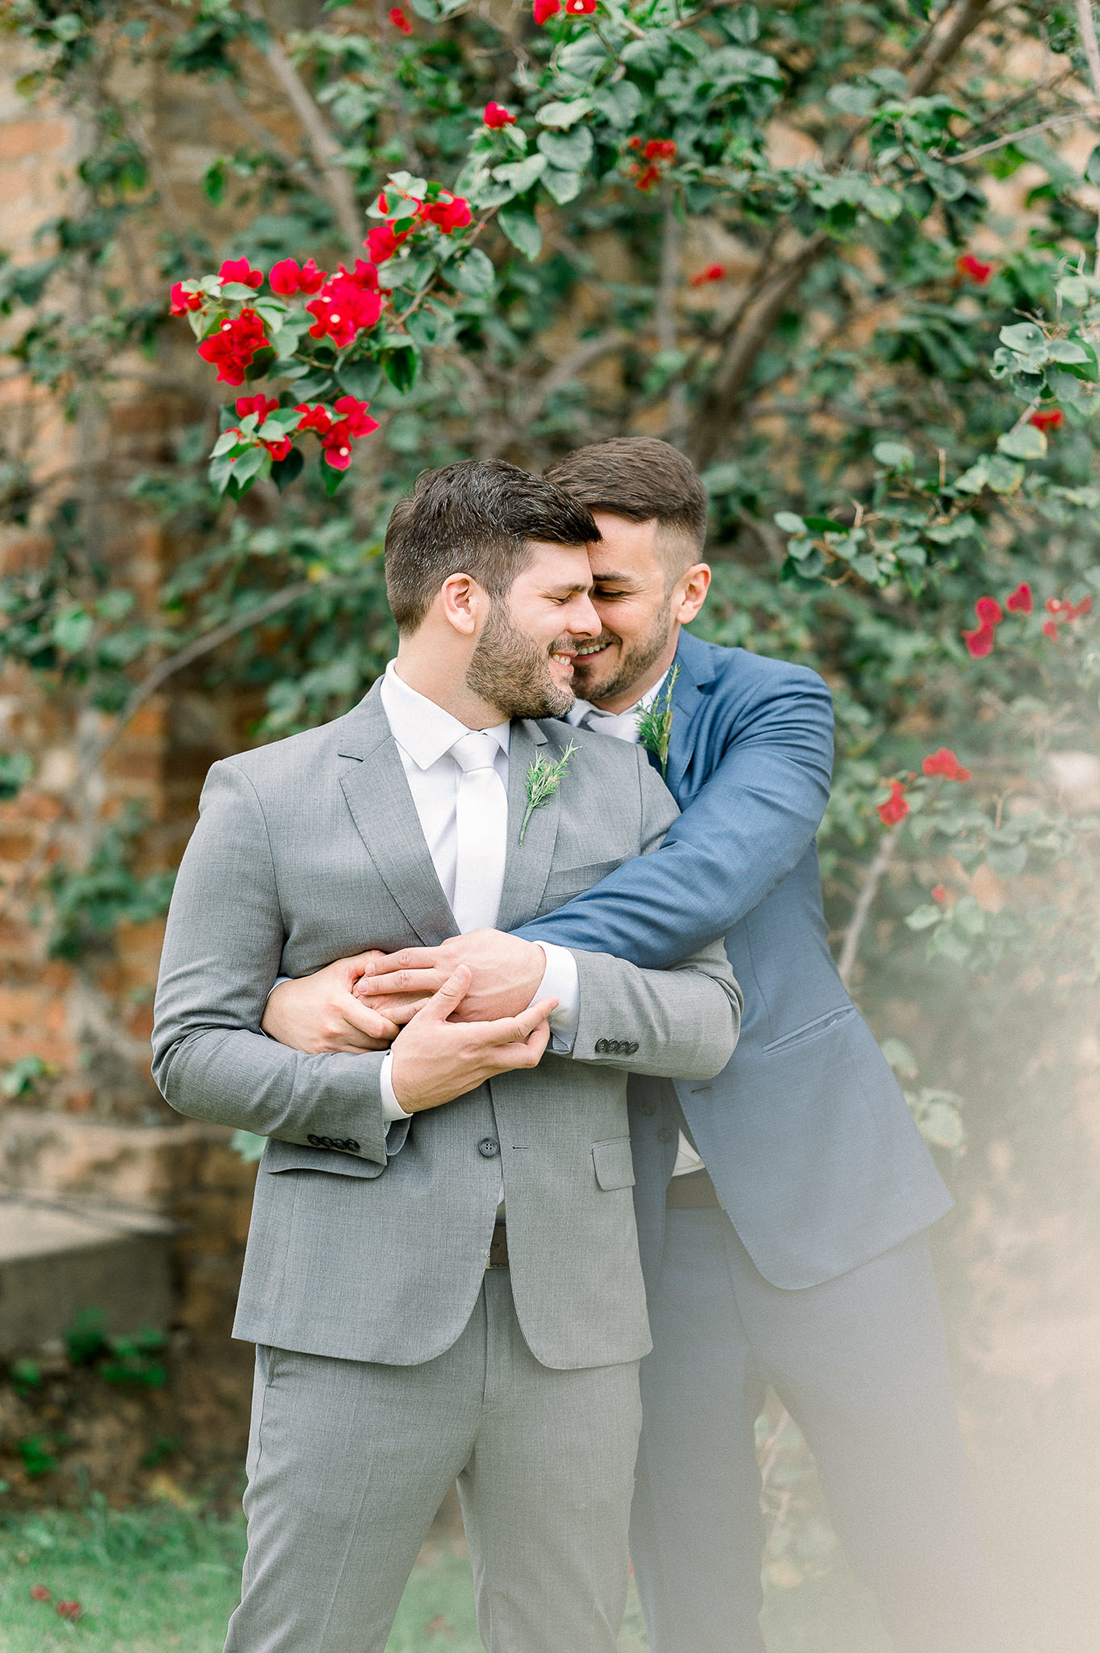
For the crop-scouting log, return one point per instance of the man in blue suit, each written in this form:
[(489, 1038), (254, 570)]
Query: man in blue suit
[(783, 1207)]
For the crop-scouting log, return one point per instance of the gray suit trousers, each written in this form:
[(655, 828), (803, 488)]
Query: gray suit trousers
[(349, 1461)]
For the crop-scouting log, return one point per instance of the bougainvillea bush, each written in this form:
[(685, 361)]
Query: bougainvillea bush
[(844, 256)]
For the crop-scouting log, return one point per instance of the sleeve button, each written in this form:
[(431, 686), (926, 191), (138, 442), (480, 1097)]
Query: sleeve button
[(314, 1141), (665, 1134)]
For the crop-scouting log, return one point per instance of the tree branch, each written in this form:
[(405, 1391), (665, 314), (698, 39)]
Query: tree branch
[(1086, 28), (877, 870), (941, 48), (325, 149), (1024, 132)]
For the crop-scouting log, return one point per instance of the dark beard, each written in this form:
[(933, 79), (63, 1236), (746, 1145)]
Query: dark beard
[(511, 672), (633, 663)]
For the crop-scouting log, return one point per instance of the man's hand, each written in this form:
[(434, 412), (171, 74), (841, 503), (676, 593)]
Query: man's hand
[(436, 1059), (504, 972), (321, 1015)]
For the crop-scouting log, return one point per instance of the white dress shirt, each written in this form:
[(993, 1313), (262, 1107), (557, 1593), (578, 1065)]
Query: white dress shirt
[(424, 734), (624, 726)]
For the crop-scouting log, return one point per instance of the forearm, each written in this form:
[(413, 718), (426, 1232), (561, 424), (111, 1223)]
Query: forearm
[(238, 1078), (682, 1023)]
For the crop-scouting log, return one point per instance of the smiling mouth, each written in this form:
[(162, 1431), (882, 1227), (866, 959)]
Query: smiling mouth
[(588, 651)]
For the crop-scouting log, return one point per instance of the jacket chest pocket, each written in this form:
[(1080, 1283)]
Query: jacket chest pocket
[(566, 882)]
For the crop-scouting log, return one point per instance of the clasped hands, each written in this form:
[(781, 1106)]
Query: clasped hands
[(454, 1015)]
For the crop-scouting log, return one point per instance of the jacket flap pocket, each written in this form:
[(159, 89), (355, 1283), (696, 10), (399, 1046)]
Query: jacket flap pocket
[(295, 1156), (614, 1165), (572, 880)]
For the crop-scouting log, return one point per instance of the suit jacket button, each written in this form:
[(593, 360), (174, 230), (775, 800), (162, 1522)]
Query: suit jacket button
[(488, 1147), (314, 1141), (665, 1134), (647, 1108), (601, 1047)]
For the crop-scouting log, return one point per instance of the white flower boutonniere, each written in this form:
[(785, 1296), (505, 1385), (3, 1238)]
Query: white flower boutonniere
[(543, 780), (655, 723)]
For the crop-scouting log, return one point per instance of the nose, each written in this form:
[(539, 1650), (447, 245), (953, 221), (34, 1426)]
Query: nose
[(583, 619)]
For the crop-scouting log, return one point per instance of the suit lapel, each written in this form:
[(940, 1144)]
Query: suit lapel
[(527, 866), (377, 792), (688, 701)]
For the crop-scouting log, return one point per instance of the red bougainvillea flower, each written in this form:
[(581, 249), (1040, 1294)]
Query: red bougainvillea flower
[(989, 611), (974, 269), (646, 177), (316, 418), (383, 241), (543, 10), (1045, 419), (39, 1592), (1020, 600), (945, 763), (1061, 611), (233, 346), (659, 149), (181, 302), (346, 304), (238, 269), (287, 277), (580, 8), (448, 215), (69, 1610), (400, 20), (279, 448), (896, 807), (495, 116), (939, 894), (260, 405), (354, 422), (979, 641), (713, 272)]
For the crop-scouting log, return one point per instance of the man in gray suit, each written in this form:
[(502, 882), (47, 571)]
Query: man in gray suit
[(406, 1333)]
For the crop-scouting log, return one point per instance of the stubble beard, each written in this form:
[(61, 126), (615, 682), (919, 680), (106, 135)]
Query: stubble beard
[(632, 664), (510, 671)]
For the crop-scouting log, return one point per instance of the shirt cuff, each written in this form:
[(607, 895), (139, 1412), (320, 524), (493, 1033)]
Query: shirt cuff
[(560, 982), (391, 1107)]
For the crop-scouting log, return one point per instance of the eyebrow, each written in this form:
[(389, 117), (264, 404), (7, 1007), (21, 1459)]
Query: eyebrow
[(578, 585), (621, 579)]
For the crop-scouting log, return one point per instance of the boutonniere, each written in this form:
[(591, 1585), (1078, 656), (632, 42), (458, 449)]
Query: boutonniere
[(655, 722), (543, 780)]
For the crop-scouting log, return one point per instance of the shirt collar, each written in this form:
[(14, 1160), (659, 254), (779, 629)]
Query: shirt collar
[(421, 728), (581, 708)]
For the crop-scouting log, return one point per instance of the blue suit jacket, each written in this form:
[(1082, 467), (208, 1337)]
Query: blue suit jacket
[(805, 1133)]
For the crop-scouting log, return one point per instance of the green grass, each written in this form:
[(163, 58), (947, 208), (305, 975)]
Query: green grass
[(156, 1579)]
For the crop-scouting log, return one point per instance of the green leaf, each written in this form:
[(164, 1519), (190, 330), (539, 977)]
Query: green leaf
[(564, 115), (1024, 337), (894, 455), (472, 274), (239, 290), (522, 231), (284, 471), (1092, 166), (1025, 442), (570, 151), (1075, 289), (563, 186), (1007, 862), (1067, 350), (618, 104), (330, 477), (72, 629), (900, 1057), (883, 204), (1004, 476), (401, 366), (360, 379), (852, 100), (520, 175), (789, 523)]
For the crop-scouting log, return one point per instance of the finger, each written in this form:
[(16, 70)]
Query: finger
[(524, 1053), (449, 996), (367, 1021), (427, 980), (409, 958), (514, 1029), (350, 969)]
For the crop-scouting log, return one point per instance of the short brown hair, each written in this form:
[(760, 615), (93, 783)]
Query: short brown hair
[(476, 517), (640, 478)]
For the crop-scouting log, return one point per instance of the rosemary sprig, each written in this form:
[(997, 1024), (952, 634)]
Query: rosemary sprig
[(655, 722), (543, 780)]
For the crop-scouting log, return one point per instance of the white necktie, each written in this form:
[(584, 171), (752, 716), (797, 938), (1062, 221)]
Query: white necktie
[(481, 824)]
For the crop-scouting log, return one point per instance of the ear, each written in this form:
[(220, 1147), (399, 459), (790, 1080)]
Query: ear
[(463, 603), (691, 590)]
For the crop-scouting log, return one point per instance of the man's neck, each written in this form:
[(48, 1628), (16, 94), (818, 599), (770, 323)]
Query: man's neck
[(443, 680), (642, 685)]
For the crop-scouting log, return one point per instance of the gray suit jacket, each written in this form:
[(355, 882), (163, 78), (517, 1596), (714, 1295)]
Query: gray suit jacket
[(368, 1246)]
